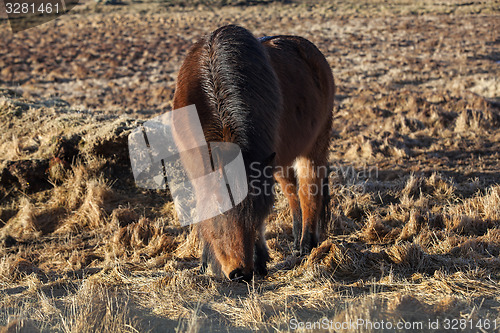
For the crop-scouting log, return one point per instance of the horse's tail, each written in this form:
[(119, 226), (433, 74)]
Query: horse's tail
[(326, 212)]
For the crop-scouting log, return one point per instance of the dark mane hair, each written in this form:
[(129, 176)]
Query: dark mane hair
[(242, 91)]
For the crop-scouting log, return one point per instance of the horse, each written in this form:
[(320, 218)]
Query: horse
[(273, 97)]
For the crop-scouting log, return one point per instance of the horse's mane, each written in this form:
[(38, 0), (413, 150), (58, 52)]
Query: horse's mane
[(242, 91)]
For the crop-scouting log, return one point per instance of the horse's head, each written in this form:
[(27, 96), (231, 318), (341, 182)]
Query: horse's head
[(234, 240)]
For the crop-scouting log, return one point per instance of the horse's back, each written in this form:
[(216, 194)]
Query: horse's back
[(307, 86)]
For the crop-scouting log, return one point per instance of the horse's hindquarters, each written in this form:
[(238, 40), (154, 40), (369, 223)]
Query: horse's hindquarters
[(307, 87)]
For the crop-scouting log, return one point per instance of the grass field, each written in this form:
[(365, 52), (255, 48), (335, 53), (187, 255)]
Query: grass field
[(413, 231)]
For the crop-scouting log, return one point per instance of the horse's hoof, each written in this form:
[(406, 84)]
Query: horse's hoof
[(304, 251), (238, 276), (309, 242), (262, 271)]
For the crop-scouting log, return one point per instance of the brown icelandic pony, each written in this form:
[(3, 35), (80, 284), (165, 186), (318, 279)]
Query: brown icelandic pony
[(274, 98)]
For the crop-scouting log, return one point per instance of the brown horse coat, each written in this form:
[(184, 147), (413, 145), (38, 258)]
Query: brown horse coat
[(274, 96)]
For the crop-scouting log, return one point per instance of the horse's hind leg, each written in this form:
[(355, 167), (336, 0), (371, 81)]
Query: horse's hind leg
[(288, 183), (310, 198), (311, 171)]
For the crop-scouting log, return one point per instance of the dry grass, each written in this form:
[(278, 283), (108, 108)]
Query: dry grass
[(413, 226)]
